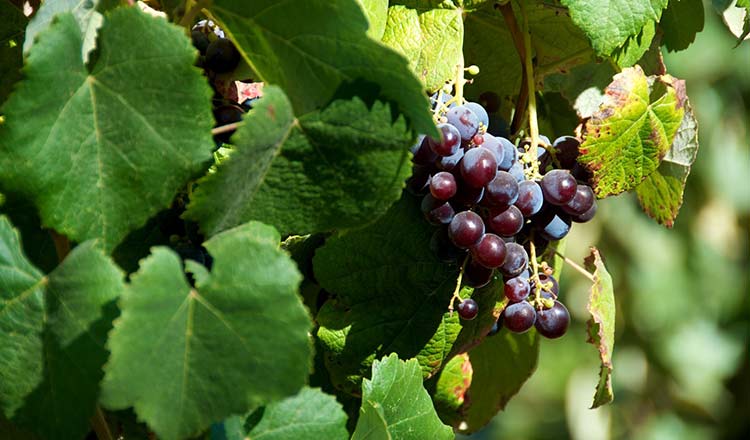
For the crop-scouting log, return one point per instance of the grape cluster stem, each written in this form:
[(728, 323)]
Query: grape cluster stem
[(457, 290)]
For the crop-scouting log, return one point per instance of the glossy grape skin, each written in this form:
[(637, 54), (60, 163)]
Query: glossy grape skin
[(200, 40), (222, 56), (476, 275), (559, 187), (554, 226), (443, 186), (449, 163), (442, 246), (581, 202), (553, 323), (419, 181), (466, 229), (519, 317), (423, 154), (516, 289), (478, 167), (510, 154), (516, 260), (467, 196), (493, 144), (530, 198), (468, 309), (489, 251), (505, 223), (516, 170), (481, 113), (465, 120), (449, 142), (586, 216), (437, 212), (502, 190)]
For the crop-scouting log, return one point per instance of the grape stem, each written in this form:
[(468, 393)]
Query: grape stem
[(531, 151), (459, 280), (575, 265), (192, 12), (519, 114), (226, 128), (460, 81), (535, 272)]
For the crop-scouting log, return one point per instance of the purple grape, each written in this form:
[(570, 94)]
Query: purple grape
[(516, 289), (481, 113), (555, 226), (566, 151), (478, 167), (443, 247), (586, 216), (558, 187), (581, 202), (468, 309), (519, 317), (466, 229), (449, 142), (516, 170), (448, 163), (510, 154), (476, 275), (505, 223), (530, 198), (437, 212), (419, 182), (424, 154), (493, 144), (496, 327), (502, 190), (553, 323), (544, 279), (443, 186), (489, 251), (516, 260), (465, 120)]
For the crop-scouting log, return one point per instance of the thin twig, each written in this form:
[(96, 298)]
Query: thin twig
[(574, 265), (519, 114), (99, 423), (226, 128)]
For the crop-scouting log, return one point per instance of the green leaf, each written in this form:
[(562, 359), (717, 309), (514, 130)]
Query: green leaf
[(100, 151), (395, 396), (680, 22), (243, 319), (312, 48), (601, 325), (491, 301), (11, 37), (608, 24), (429, 36), (501, 365), (391, 295), (450, 390), (582, 86), (52, 333), (660, 195), (631, 132), (333, 169), (85, 13), (310, 413), (377, 16), (635, 47)]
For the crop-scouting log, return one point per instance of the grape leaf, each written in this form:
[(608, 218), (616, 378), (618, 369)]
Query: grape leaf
[(601, 325), (310, 413), (311, 48), (635, 46), (52, 333), (501, 365), (582, 86), (242, 319), (337, 168), (608, 24), (11, 36), (377, 16), (396, 405), (660, 195), (491, 302), (631, 132), (451, 387), (391, 295), (83, 10), (430, 37), (680, 22), (100, 151)]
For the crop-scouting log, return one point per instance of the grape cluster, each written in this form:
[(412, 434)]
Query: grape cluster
[(494, 207)]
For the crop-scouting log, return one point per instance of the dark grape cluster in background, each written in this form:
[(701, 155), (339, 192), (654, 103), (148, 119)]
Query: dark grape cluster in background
[(489, 203)]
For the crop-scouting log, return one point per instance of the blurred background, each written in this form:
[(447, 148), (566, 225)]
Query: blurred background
[(681, 361)]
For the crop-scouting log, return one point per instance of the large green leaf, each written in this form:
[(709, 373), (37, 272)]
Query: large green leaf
[(391, 295), (631, 132), (430, 36), (608, 24), (52, 333), (100, 150), (376, 12), (12, 27), (243, 320), (310, 413), (601, 325), (83, 10), (395, 405), (311, 48), (450, 388), (680, 22), (337, 168), (661, 193)]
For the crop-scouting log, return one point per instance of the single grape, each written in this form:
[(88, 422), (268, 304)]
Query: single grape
[(448, 163), (423, 155), (516, 170), (558, 187), (505, 223), (493, 144), (553, 323), (466, 229), (581, 202), (490, 101), (467, 196), (478, 167), (496, 327), (449, 142), (419, 181), (224, 115), (544, 279), (468, 309), (517, 289), (476, 275), (519, 317), (437, 212), (443, 247), (481, 113), (586, 216), (502, 190), (443, 185), (566, 151), (516, 260), (556, 227), (530, 198), (510, 154), (489, 251), (200, 40), (478, 139), (222, 56), (465, 120)]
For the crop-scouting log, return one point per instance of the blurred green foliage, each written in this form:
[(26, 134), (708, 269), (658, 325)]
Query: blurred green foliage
[(681, 368)]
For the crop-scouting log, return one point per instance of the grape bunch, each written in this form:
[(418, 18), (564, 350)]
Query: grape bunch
[(496, 204)]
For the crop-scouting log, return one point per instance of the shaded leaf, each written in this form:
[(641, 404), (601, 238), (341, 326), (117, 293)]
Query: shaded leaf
[(377, 15), (601, 325), (680, 22), (635, 46), (11, 38), (84, 12), (171, 339), (450, 390)]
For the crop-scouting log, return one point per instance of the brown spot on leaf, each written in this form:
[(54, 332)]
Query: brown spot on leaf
[(271, 112)]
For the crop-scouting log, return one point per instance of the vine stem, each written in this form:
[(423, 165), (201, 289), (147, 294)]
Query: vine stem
[(226, 128), (519, 114), (189, 17), (459, 280), (531, 153), (575, 265), (535, 271)]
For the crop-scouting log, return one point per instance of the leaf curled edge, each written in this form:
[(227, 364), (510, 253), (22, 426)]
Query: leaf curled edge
[(601, 325)]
